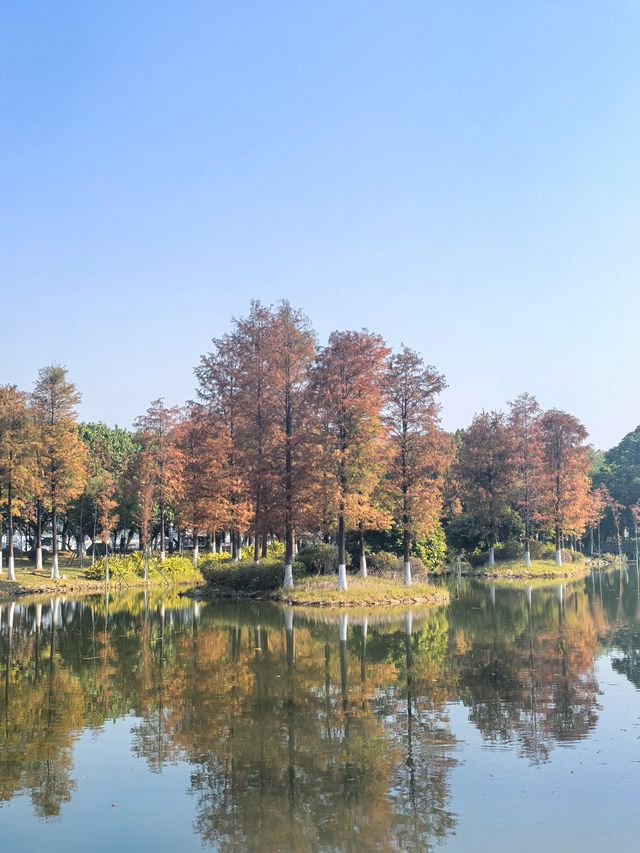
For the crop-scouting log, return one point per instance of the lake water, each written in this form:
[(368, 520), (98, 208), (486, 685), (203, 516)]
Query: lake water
[(508, 721)]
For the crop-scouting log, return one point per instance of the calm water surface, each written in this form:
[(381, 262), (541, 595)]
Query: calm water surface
[(510, 720)]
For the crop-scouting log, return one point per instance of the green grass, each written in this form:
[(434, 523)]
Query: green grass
[(538, 569), (323, 591), (72, 578)]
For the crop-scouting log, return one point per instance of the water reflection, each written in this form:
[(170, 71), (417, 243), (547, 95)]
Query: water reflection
[(308, 731)]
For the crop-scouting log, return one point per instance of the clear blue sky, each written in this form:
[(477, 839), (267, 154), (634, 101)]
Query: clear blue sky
[(461, 177)]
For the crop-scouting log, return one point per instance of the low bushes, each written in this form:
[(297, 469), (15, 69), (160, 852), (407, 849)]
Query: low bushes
[(246, 576), (319, 558), (130, 568)]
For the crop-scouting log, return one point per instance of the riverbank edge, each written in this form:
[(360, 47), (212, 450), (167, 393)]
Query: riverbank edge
[(80, 587), (579, 571), (437, 597)]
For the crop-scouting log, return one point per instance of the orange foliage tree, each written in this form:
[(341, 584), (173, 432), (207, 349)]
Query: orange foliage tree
[(349, 393), (202, 504), (418, 450), (16, 455), (486, 474), (565, 467), (62, 452), (161, 458), (524, 423)]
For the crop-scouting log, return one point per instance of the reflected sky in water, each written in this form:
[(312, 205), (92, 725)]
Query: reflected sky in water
[(509, 719)]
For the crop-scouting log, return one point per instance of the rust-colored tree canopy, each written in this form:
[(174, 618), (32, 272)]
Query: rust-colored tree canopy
[(293, 444)]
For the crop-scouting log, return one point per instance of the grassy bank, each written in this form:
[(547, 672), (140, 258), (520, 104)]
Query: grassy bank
[(124, 573), (516, 569), (323, 592), (264, 580)]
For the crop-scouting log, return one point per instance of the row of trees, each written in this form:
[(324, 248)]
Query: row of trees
[(288, 440), (522, 474)]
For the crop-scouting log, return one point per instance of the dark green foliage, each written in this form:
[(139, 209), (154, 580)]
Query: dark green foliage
[(465, 532), (246, 576), (319, 558), (430, 549), (383, 563)]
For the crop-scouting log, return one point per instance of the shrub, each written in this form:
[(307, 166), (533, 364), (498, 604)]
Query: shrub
[(431, 550), (218, 557), (275, 550), (130, 567), (319, 557), (384, 563), (247, 576)]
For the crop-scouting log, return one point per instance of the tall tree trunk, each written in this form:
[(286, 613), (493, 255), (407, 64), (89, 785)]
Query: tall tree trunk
[(342, 546), (406, 533), (342, 551), (363, 556), (162, 551), (288, 491), (10, 560), (38, 535), (55, 571), (558, 547), (195, 548), (492, 549)]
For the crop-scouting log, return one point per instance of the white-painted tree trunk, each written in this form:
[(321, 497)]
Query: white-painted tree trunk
[(12, 568), (363, 565), (163, 554), (527, 559), (288, 618), (492, 557), (39, 557), (195, 554), (343, 627), (0, 555), (288, 576), (406, 574), (408, 623), (55, 571), (342, 576), (558, 556)]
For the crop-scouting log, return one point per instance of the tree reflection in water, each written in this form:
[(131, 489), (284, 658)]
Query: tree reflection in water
[(305, 730)]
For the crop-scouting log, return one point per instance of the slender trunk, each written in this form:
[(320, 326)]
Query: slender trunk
[(195, 549), (264, 546), (55, 572), (162, 551), (558, 547), (492, 552), (38, 536), (256, 542), (288, 487), (11, 565), (406, 534), (363, 556), (342, 565)]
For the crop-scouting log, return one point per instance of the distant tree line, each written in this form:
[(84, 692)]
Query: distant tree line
[(291, 441)]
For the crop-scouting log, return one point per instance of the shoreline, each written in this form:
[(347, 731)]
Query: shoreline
[(14, 590)]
